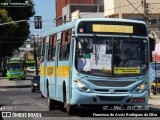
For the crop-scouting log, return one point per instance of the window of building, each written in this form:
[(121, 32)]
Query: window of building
[(65, 18), (153, 20)]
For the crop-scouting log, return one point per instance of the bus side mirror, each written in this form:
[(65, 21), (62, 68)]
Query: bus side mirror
[(151, 47)]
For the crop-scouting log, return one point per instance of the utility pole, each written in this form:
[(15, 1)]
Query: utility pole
[(146, 11), (35, 55)]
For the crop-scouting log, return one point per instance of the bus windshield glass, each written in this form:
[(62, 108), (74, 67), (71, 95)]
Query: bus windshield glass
[(15, 66), (111, 56), (30, 64)]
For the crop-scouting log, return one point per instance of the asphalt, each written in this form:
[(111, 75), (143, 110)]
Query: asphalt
[(16, 83), (4, 83)]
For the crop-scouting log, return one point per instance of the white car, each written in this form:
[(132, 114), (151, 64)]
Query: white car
[(31, 69)]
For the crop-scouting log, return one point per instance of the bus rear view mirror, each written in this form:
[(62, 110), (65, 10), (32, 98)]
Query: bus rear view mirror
[(152, 47)]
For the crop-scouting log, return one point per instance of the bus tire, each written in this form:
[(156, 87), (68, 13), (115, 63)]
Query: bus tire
[(42, 95), (71, 109), (32, 89), (64, 95), (51, 103)]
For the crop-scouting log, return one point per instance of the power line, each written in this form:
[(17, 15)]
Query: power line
[(136, 8), (133, 11), (111, 8), (155, 8)]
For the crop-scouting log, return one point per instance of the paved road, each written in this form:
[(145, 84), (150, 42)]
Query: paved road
[(22, 99)]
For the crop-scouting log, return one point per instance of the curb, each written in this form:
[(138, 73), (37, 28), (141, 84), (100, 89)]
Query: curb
[(18, 86)]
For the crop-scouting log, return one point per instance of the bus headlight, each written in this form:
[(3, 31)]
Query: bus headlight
[(141, 88), (82, 87)]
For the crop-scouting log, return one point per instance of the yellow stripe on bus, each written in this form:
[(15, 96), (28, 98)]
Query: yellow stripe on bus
[(41, 70), (63, 71)]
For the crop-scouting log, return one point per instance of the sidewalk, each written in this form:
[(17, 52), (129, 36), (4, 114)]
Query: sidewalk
[(154, 100), (5, 83)]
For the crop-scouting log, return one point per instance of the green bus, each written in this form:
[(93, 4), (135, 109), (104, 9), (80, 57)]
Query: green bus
[(16, 68), (29, 63)]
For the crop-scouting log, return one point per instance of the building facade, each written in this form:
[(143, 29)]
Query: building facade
[(131, 8), (82, 8)]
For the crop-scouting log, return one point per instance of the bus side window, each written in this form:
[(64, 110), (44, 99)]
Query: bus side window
[(50, 48), (63, 45), (53, 47), (43, 51), (68, 41)]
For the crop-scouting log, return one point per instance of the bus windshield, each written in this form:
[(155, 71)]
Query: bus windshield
[(15, 66), (30, 64), (111, 56)]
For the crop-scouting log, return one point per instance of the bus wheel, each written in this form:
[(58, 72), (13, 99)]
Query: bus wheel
[(71, 109), (32, 89), (42, 95), (51, 103)]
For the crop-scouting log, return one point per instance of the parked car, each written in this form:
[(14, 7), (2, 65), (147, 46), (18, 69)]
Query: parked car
[(35, 83), (31, 69)]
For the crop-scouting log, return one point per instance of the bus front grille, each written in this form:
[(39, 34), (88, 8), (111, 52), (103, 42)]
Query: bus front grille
[(107, 91), (111, 83), (111, 98)]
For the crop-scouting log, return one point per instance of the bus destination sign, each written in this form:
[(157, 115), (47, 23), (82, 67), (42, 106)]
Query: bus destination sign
[(112, 28)]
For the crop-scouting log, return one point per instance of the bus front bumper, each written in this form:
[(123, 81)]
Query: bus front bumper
[(83, 98), (20, 76)]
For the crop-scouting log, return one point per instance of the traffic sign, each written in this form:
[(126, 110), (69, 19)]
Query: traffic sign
[(38, 22)]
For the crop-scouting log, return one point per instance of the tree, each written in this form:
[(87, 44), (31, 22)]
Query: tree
[(12, 36)]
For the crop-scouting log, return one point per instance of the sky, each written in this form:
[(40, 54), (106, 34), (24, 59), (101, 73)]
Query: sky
[(46, 9)]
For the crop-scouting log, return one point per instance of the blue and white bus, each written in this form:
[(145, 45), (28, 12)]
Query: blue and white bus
[(95, 61)]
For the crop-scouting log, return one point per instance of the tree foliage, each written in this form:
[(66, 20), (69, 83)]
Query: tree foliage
[(12, 36)]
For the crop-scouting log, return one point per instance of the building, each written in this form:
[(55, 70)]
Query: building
[(79, 8), (135, 9), (131, 9)]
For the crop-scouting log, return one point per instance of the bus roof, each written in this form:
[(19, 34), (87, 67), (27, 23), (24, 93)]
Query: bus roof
[(30, 61), (15, 60), (75, 22)]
